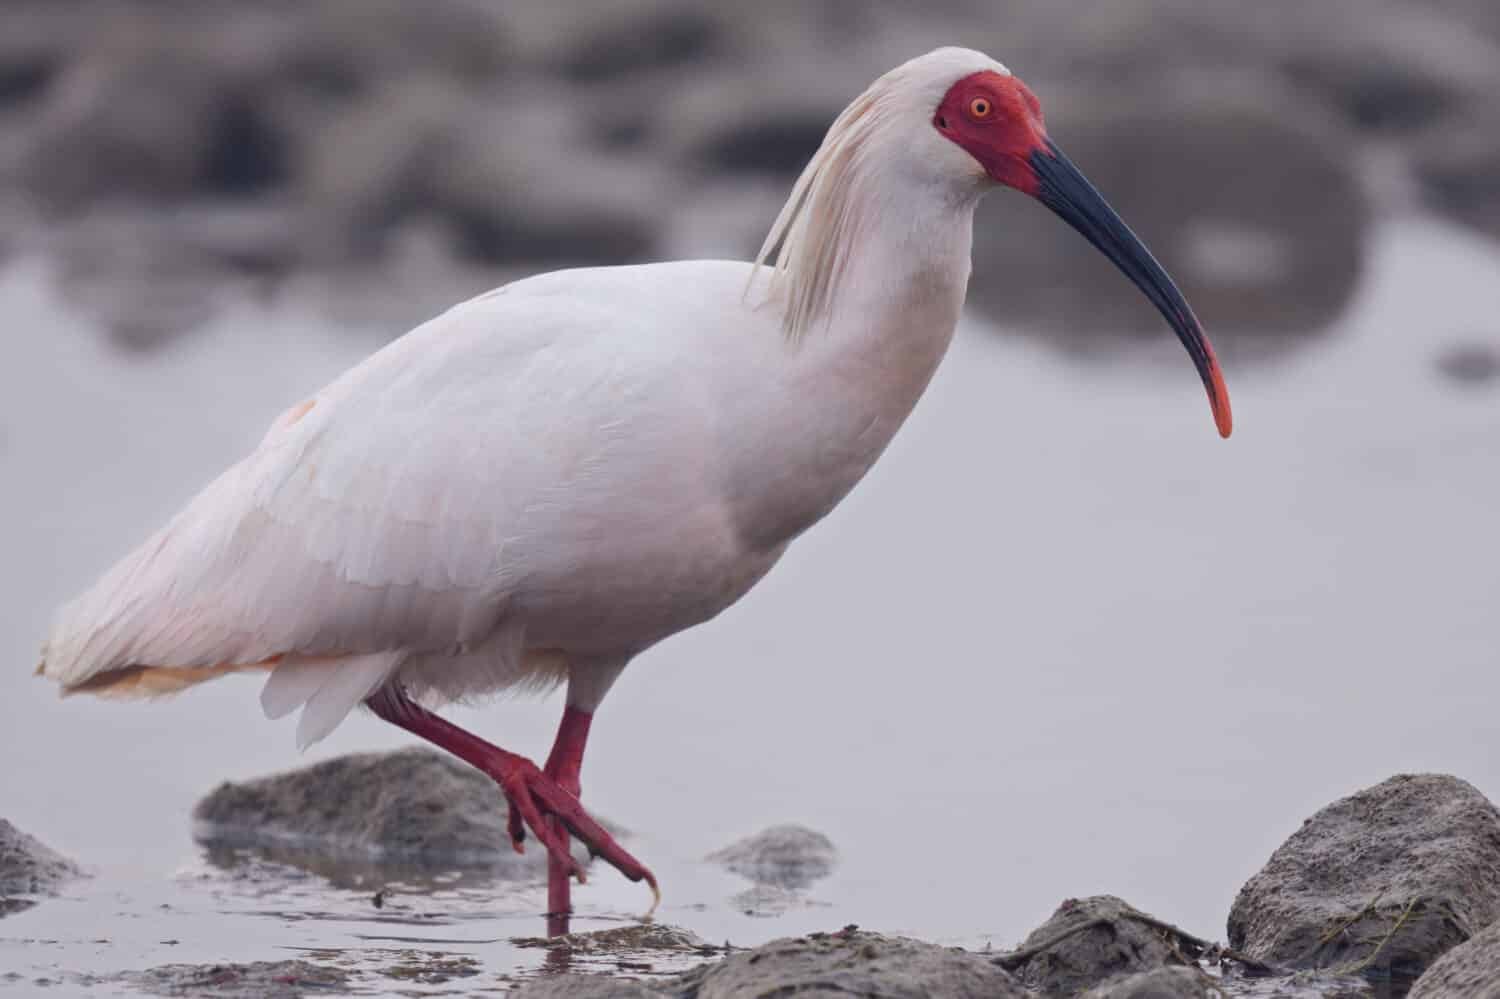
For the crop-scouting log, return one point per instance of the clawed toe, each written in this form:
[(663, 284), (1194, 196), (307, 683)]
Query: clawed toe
[(534, 797)]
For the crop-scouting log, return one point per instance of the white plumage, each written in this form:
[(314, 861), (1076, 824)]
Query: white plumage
[(546, 480)]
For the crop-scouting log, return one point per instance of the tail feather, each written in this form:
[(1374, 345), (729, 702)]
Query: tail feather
[(293, 683), (132, 682), (325, 688)]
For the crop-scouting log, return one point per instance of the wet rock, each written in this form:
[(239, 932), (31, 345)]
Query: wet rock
[(258, 980), (1394, 72), (1199, 983), (1383, 65), (622, 951), (509, 181), (604, 963), (1473, 363), (29, 867), (1479, 15), (545, 202), (176, 101), (32, 50), (710, 126), (429, 968), (545, 135), (410, 806), (1089, 941), (1469, 971), (1267, 248), (1381, 882), (371, 173), (1458, 169), (624, 39), (1160, 983), (583, 987), (346, 47), (150, 116), (850, 962), (635, 938), (788, 856)]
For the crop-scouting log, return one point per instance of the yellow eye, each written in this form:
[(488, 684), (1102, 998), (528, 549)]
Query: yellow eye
[(981, 107)]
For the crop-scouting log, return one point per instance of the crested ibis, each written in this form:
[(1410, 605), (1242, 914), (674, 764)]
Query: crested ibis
[(546, 480)]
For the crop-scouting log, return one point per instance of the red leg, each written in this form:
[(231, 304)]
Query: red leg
[(563, 766), (534, 797)]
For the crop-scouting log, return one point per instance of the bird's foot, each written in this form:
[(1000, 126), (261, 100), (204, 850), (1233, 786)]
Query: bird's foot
[(537, 800), (534, 797)]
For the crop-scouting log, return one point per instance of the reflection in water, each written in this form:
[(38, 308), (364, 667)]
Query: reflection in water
[(383, 880)]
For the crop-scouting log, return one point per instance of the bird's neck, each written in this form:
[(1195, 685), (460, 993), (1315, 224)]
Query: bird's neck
[(899, 302), (849, 384)]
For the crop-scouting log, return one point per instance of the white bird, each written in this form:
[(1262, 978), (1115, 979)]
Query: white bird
[(545, 481)]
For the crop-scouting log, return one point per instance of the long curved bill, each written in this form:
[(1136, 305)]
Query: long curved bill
[(1062, 188)]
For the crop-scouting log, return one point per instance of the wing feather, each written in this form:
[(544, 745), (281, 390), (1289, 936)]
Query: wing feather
[(375, 517), (396, 516)]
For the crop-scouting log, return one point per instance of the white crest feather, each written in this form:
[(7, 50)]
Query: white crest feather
[(814, 233), (819, 226)]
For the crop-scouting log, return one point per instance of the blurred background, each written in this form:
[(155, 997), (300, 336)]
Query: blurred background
[(161, 151), (1062, 630)]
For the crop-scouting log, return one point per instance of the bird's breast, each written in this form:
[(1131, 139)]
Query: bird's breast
[(824, 423)]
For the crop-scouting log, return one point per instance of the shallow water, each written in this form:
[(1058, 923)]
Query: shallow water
[(1063, 641)]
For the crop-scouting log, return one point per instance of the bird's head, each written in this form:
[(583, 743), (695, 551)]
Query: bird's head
[(976, 108)]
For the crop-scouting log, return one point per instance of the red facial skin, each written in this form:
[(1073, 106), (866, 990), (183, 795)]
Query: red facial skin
[(1003, 139)]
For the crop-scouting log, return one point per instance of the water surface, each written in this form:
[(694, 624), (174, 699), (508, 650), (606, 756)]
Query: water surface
[(1062, 641)]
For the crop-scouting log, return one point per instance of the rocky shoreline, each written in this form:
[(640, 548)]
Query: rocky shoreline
[(29, 870), (383, 158), (1394, 888)]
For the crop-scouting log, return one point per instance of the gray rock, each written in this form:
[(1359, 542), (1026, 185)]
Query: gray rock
[(599, 131), (1458, 169), (257, 980), (1381, 64), (787, 856), (174, 101), (606, 961), (1481, 16), (709, 126), (634, 938), (137, 117), (371, 171), (1267, 254), (1160, 983), (1397, 71), (348, 46), (1118, 941), (625, 39), (583, 987), (1383, 881), (1197, 983), (29, 867), (850, 962), (510, 180), (1473, 363), (1469, 971), (32, 52), (412, 806), (542, 197)]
